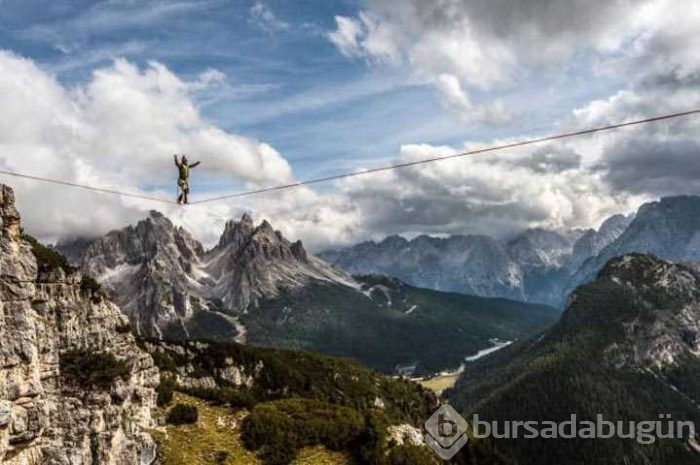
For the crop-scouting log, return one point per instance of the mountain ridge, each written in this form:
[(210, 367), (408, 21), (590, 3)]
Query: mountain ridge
[(627, 348)]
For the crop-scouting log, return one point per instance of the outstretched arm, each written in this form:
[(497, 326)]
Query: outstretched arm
[(177, 163), (193, 165)]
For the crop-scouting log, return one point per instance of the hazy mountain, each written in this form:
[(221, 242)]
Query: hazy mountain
[(626, 348), (592, 242), (522, 268), (258, 287), (468, 264), (668, 228)]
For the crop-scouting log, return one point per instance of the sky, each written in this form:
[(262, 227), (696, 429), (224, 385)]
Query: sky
[(265, 92)]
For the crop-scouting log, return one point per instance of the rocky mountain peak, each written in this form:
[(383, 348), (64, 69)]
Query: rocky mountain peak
[(237, 232), (263, 243), (538, 247), (163, 279), (644, 309)]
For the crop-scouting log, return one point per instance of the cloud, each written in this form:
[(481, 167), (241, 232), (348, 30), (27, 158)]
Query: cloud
[(118, 130), (111, 16), (365, 37), (654, 160), (467, 46), (262, 16)]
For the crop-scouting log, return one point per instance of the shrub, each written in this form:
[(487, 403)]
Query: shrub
[(370, 445), (236, 398), (280, 428), (92, 369), (183, 414), (47, 259), (165, 389), (412, 455), (163, 361), (220, 457), (90, 287)]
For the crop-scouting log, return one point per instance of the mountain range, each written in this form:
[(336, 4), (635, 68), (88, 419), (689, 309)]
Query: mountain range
[(535, 266), (255, 286), (77, 387)]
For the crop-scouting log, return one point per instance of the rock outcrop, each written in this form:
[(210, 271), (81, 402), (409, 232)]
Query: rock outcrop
[(47, 417)]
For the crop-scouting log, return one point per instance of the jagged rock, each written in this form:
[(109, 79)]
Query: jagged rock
[(168, 284), (405, 435), (46, 418), (5, 412)]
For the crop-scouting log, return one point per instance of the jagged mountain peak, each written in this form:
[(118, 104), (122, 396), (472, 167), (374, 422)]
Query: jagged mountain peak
[(393, 241), (244, 242), (163, 278), (237, 232), (668, 228)]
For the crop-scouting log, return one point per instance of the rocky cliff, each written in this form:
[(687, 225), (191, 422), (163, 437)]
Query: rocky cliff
[(74, 387)]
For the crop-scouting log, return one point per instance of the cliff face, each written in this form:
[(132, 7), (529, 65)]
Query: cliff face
[(46, 416)]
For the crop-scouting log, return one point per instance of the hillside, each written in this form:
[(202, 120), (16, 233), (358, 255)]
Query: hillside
[(390, 323), (626, 348), (276, 406)]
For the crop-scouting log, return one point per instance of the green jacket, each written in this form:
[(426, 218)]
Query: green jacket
[(185, 169)]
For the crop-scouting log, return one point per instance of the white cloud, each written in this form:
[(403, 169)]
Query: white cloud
[(119, 130), (463, 46), (553, 186), (451, 89), (365, 37), (263, 17)]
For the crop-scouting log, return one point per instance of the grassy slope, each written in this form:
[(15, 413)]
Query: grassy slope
[(215, 440), (383, 331), (286, 373), (297, 377)]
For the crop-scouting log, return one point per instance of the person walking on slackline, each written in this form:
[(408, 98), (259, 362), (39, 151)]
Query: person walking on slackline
[(183, 182)]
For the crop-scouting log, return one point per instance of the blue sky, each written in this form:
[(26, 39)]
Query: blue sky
[(269, 91), (286, 82)]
